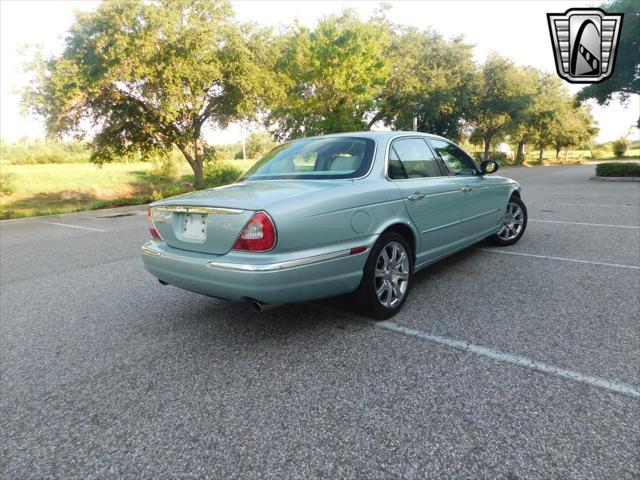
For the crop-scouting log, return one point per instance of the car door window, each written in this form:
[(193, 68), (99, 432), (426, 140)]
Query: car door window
[(455, 160), (411, 158)]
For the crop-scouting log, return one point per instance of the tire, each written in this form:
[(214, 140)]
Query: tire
[(375, 276), (514, 223)]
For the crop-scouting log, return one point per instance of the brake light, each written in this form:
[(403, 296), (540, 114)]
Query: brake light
[(258, 235), (152, 227)]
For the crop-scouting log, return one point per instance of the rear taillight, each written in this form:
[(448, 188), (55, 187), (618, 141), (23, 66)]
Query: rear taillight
[(152, 227), (259, 235)]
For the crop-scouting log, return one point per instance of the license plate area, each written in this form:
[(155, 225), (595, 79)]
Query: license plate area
[(194, 226)]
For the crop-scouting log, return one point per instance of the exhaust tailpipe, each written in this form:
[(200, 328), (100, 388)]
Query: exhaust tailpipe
[(258, 306)]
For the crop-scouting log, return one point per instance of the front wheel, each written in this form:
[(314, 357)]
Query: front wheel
[(386, 277), (513, 225)]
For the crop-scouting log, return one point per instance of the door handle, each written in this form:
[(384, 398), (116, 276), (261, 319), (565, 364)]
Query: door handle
[(467, 188), (416, 196)]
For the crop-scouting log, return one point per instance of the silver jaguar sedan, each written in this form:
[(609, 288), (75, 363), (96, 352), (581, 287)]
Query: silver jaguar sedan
[(355, 213)]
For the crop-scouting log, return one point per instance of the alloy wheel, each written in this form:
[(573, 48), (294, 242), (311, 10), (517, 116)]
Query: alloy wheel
[(512, 222), (392, 274)]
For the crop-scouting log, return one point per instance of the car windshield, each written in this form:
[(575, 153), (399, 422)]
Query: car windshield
[(315, 159)]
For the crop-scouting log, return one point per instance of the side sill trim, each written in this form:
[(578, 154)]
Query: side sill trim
[(271, 267)]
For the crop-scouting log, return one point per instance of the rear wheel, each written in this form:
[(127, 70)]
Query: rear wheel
[(514, 223), (386, 277)]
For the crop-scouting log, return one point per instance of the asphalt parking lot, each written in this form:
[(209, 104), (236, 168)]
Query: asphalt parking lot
[(521, 362)]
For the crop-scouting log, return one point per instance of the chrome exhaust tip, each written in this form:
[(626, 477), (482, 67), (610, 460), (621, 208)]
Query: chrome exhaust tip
[(258, 306)]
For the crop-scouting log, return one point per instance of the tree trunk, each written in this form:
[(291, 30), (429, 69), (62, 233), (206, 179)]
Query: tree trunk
[(487, 147), (198, 164), (520, 153), (195, 158), (198, 173), (558, 152), (541, 157)]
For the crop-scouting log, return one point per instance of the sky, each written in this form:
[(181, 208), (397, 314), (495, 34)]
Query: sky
[(517, 30)]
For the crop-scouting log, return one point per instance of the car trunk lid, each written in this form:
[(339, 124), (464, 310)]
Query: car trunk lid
[(210, 221)]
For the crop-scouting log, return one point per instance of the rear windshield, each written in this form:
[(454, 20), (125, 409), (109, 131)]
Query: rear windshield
[(315, 159)]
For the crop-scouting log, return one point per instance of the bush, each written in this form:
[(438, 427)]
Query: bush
[(30, 153), (7, 186), (217, 174), (597, 152), (618, 170), (500, 157), (164, 168), (620, 147)]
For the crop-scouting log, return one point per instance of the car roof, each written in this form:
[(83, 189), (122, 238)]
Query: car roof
[(375, 135)]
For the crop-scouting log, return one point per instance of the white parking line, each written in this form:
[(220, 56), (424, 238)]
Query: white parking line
[(585, 224), (562, 259), (518, 360), (588, 205), (75, 226)]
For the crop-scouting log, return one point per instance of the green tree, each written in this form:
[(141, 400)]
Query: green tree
[(432, 79), (625, 80), (498, 100), (573, 126), (562, 125), (544, 94), (258, 143), (148, 76), (333, 75)]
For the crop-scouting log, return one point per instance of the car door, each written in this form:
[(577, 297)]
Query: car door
[(480, 195), (432, 199)]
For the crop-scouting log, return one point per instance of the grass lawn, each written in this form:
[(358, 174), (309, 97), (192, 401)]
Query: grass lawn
[(44, 189), (59, 188)]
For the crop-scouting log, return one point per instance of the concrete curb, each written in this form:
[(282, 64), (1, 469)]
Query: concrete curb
[(96, 213), (616, 179)]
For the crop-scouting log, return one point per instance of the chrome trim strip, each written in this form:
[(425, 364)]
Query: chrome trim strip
[(481, 215), (460, 221), (196, 209), (149, 251), (271, 267), (440, 227)]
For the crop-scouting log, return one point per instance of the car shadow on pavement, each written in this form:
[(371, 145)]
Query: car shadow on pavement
[(241, 325)]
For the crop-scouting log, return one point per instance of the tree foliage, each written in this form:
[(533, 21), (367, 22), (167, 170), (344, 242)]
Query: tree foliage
[(432, 79), (332, 75), (258, 143), (147, 76), (504, 93), (625, 80)]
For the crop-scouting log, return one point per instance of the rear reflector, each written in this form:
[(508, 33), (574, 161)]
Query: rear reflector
[(258, 235), (152, 228), (356, 250)]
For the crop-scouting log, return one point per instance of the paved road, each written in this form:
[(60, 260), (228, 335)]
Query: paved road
[(107, 374)]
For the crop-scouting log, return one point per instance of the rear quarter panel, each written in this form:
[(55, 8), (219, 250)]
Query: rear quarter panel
[(359, 208)]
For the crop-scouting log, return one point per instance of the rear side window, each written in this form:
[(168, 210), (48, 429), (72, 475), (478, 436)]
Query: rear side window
[(455, 160), (411, 158)]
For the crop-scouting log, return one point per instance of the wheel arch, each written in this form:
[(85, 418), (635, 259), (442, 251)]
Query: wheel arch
[(407, 232)]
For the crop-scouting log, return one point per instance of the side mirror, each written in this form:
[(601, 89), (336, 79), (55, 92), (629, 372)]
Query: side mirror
[(489, 166)]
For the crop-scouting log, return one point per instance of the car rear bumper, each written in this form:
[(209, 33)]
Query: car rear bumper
[(266, 277)]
